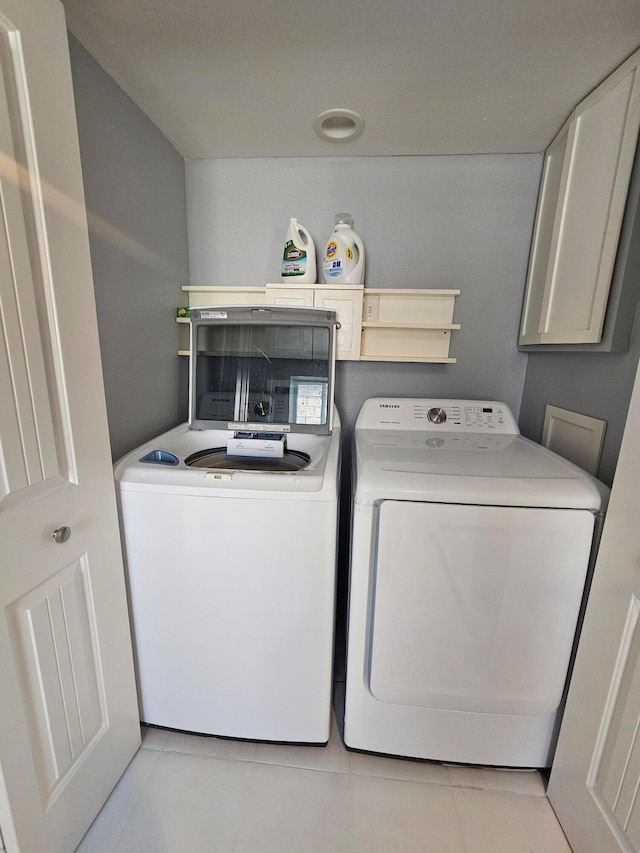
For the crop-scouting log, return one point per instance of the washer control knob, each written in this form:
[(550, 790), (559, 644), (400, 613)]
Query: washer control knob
[(262, 409), (437, 415)]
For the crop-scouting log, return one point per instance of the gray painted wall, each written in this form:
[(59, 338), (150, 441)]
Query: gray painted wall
[(134, 185), (454, 222), (594, 384)]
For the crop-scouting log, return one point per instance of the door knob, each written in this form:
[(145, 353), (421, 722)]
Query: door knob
[(62, 535)]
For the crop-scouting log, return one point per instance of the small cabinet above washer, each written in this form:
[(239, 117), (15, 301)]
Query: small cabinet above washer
[(345, 300)]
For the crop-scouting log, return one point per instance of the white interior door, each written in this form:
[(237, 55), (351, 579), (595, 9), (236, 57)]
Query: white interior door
[(68, 714), (596, 773)]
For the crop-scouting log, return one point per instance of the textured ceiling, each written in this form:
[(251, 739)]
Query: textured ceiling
[(246, 78)]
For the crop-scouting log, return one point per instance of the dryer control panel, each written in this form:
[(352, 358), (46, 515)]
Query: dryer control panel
[(437, 415)]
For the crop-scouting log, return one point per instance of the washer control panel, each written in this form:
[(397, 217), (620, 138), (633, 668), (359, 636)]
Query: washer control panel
[(407, 413)]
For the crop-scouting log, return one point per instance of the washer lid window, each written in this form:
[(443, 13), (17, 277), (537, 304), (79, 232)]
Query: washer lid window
[(262, 369)]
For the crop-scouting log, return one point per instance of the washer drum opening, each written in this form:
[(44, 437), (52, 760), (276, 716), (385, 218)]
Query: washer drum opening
[(218, 458)]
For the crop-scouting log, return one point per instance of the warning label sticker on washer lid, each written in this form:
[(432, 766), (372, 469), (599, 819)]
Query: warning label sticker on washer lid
[(249, 427), (213, 315)]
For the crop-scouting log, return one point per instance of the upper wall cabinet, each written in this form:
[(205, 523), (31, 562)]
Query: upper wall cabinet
[(582, 200)]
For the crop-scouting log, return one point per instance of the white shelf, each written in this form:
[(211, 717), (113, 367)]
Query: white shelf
[(410, 291), (449, 326), (224, 290), (306, 285), (393, 324), (403, 324), (416, 359)]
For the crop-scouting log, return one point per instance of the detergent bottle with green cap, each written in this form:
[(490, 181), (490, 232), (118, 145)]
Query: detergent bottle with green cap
[(299, 256), (344, 254)]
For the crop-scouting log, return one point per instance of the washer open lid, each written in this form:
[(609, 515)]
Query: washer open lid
[(262, 369)]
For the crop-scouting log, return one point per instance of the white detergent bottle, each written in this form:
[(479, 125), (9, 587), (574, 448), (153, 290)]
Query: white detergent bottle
[(299, 257), (344, 254)]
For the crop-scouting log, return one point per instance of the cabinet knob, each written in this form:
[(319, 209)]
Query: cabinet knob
[(61, 535)]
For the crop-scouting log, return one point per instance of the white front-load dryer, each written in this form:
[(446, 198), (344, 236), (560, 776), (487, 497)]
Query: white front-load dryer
[(469, 556)]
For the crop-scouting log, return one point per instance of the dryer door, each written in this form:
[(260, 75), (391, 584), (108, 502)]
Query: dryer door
[(475, 608)]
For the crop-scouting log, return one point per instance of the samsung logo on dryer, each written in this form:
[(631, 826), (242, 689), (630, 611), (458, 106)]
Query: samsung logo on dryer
[(389, 405)]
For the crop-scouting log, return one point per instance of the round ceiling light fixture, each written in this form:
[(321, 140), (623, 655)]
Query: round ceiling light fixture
[(338, 125)]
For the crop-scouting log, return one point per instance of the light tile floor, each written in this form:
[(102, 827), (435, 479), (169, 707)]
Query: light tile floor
[(188, 794)]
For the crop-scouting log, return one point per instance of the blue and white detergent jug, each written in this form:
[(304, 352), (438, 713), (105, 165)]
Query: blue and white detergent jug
[(299, 256), (344, 254)]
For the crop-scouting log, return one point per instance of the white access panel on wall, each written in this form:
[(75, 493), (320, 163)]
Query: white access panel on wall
[(579, 438), (497, 588)]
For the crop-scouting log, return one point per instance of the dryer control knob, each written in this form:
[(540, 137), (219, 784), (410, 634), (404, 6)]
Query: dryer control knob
[(437, 415)]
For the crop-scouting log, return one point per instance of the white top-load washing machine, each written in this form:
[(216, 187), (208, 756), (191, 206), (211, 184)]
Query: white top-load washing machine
[(469, 556), (229, 529)]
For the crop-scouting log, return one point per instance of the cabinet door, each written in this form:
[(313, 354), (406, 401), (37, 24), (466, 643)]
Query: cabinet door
[(347, 303), (544, 235), (297, 296), (588, 166)]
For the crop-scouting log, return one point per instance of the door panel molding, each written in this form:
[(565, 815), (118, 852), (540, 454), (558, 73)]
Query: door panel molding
[(614, 774), (53, 632)]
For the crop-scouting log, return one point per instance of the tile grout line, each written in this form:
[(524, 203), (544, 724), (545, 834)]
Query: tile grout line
[(243, 807), (127, 822), (459, 818), (351, 772)]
